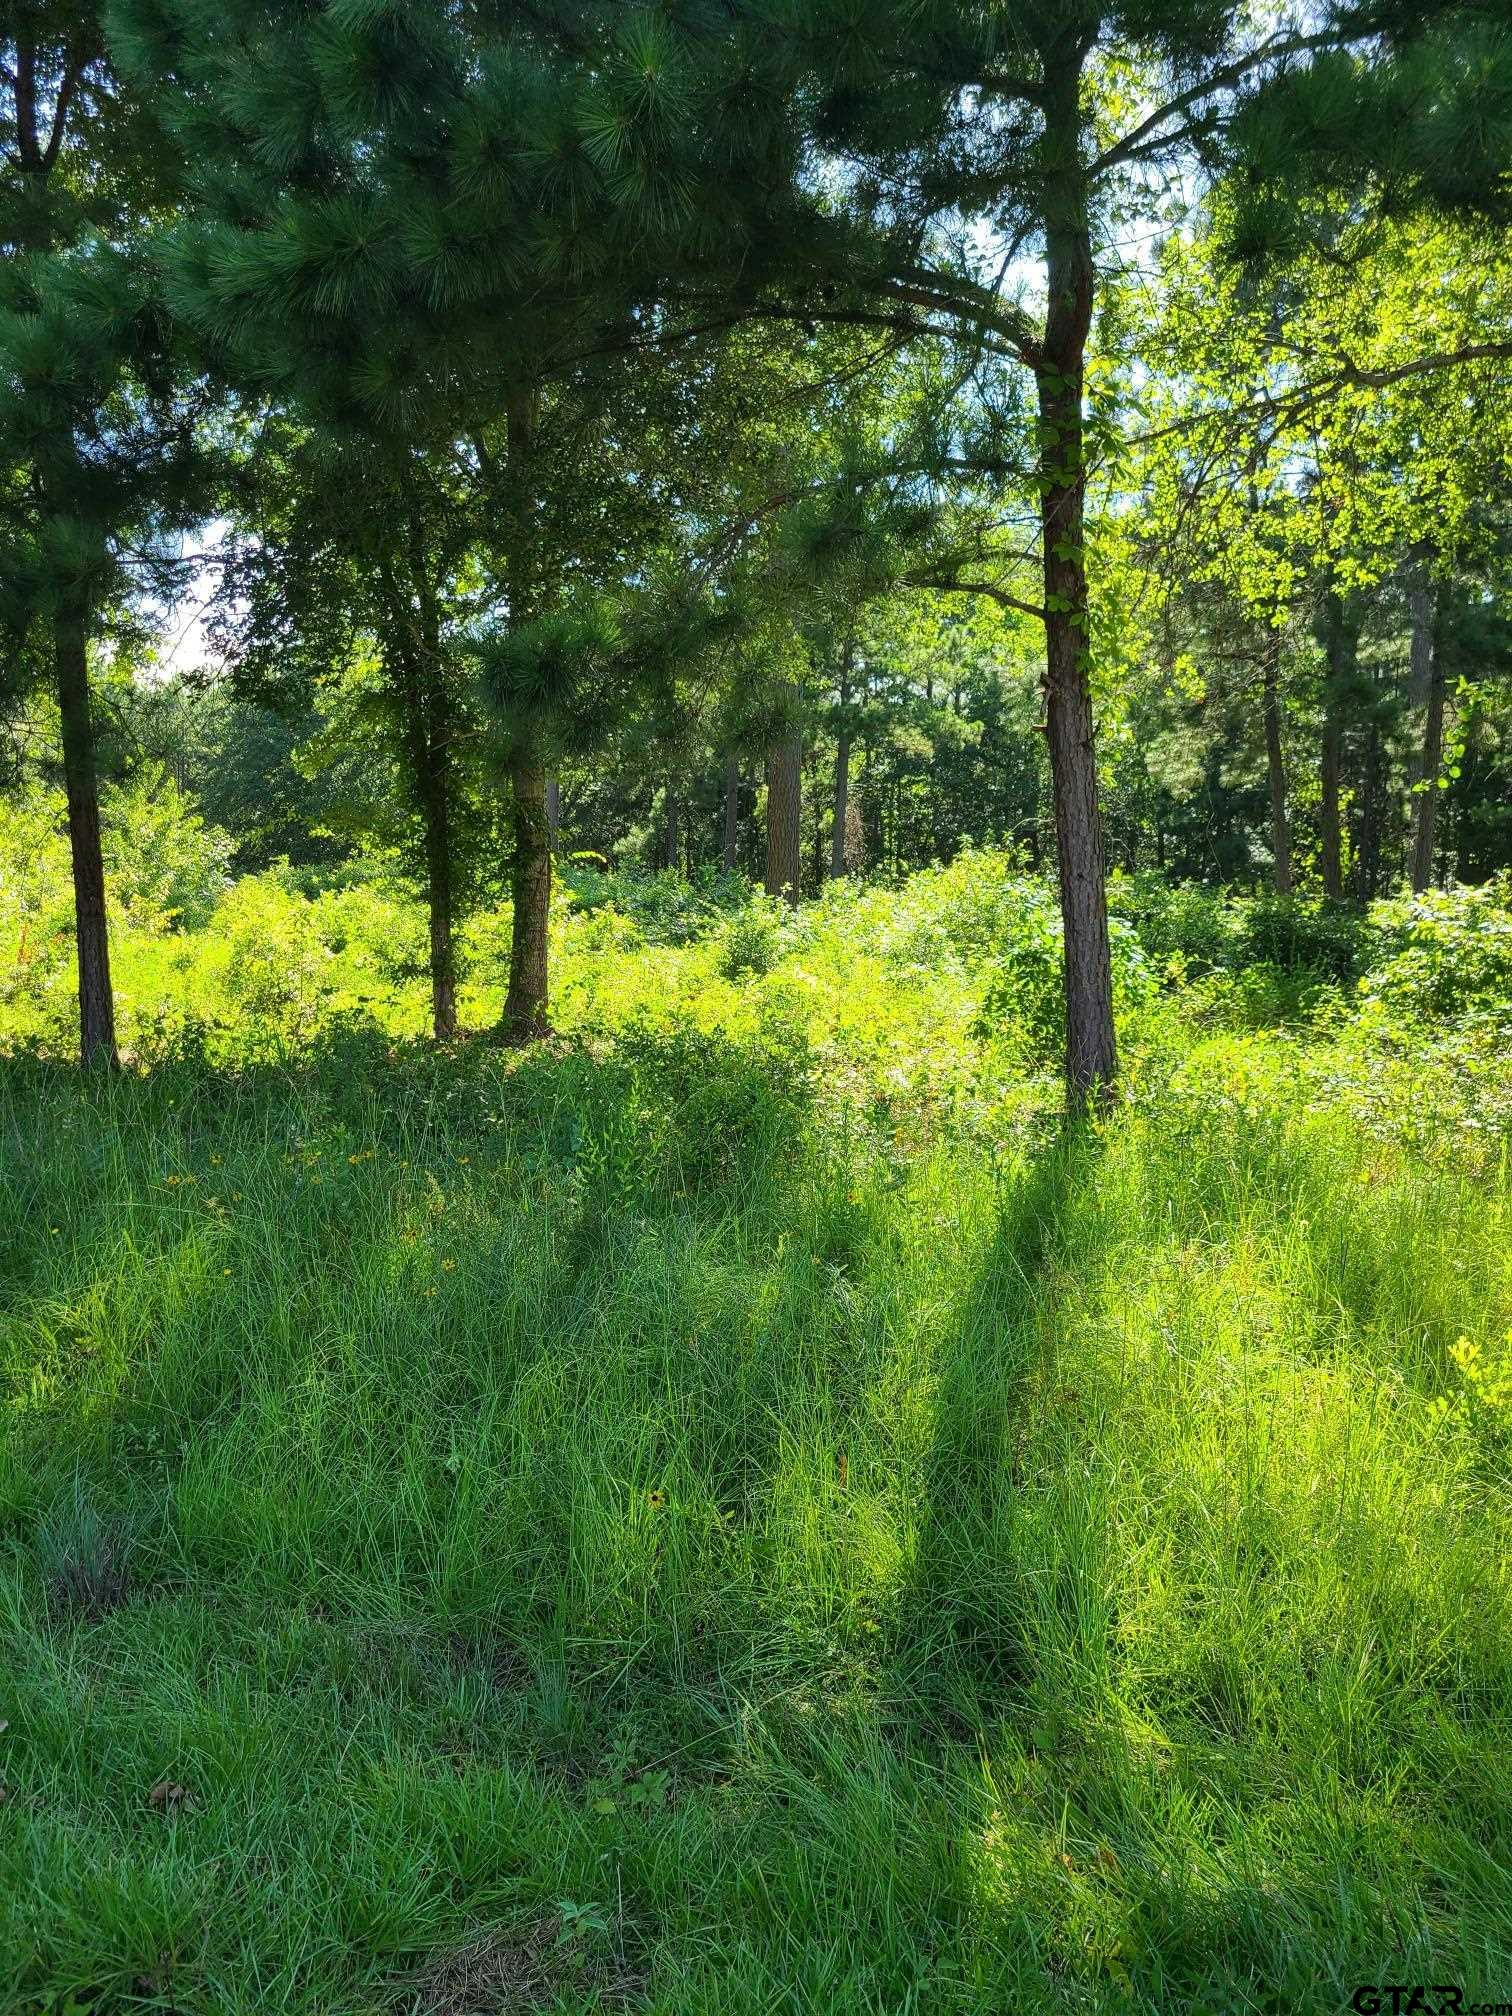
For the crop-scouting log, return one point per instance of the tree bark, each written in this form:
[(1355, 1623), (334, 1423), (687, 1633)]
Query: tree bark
[(1427, 665), (784, 776), (1275, 768), (1338, 645), (436, 819), (554, 810), (525, 1006), (1372, 817), (413, 658), (671, 838), (732, 815), (97, 1036), (838, 862), (1091, 1048)]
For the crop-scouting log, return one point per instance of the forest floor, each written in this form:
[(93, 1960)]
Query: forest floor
[(740, 1509)]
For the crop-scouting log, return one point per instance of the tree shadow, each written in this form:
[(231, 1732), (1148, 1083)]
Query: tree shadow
[(964, 1616)]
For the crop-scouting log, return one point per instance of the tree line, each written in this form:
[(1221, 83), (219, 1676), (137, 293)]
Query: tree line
[(1070, 424)]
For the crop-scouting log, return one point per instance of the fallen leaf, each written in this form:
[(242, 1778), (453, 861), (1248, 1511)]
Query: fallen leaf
[(167, 1797)]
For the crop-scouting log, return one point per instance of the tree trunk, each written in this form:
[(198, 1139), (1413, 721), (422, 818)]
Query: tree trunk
[(435, 811), (784, 775), (1372, 817), (1091, 1049), (1275, 768), (525, 1006), (1427, 666), (97, 1038), (838, 863), (554, 810), (412, 654), (1338, 645), (671, 842), (732, 815)]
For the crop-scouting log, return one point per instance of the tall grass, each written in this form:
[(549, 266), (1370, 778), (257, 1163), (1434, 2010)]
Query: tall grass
[(679, 1522)]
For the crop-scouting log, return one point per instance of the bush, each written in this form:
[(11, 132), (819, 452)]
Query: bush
[(755, 938), (1303, 934), (666, 908), (164, 867), (1026, 987), (1446, 953), (1183, 927)]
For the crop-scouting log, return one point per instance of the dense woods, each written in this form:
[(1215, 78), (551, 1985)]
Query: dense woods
[(755, 1004)]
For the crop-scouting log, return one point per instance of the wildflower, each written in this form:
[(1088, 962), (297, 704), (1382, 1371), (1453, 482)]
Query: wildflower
[(215, 1161), (656, 1498), (448, 1266)]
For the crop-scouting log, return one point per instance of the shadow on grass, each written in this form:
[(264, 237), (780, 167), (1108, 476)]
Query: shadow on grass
[(965, 1628)]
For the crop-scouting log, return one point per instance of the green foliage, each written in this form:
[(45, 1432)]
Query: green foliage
[(665, 909), (1302, 934), (168, 871), (1184, 927), (736, 1503), (1445, 953)]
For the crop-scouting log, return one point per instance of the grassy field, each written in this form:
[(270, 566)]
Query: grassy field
[(740, 1510)]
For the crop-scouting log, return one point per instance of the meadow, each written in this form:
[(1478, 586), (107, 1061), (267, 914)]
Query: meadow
[(741, 1507)]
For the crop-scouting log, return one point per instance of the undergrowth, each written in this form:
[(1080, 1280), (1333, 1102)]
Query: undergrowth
[(740, 1508)]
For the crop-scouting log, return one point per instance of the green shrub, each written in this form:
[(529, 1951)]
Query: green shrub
[(1445, 953), (1183, 927), (1303, 934), (1026, 984), (668, 909), (755, 937)]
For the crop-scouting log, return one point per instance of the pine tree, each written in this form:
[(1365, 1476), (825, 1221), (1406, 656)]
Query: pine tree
[(97, 437), (419, 227), (968, 140)]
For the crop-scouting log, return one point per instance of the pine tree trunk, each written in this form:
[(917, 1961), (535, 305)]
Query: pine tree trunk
[(1339, 650), (816, 799), (1372, 817), (1091, 1049), (1428, 666), (732, 815), (784, 775), (671, 842), (436, 815), (838, 862), (97, 1037), (525, 1006), (1275, 768), (413, 661), (428, 736), (554, 811)]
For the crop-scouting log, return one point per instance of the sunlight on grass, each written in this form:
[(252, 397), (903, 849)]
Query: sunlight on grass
[(700, 1474)]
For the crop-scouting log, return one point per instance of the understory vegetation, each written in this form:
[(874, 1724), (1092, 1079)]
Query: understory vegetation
[(739, 1507)]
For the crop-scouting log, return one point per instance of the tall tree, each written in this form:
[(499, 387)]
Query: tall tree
[(961, 141), (97, 442)]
